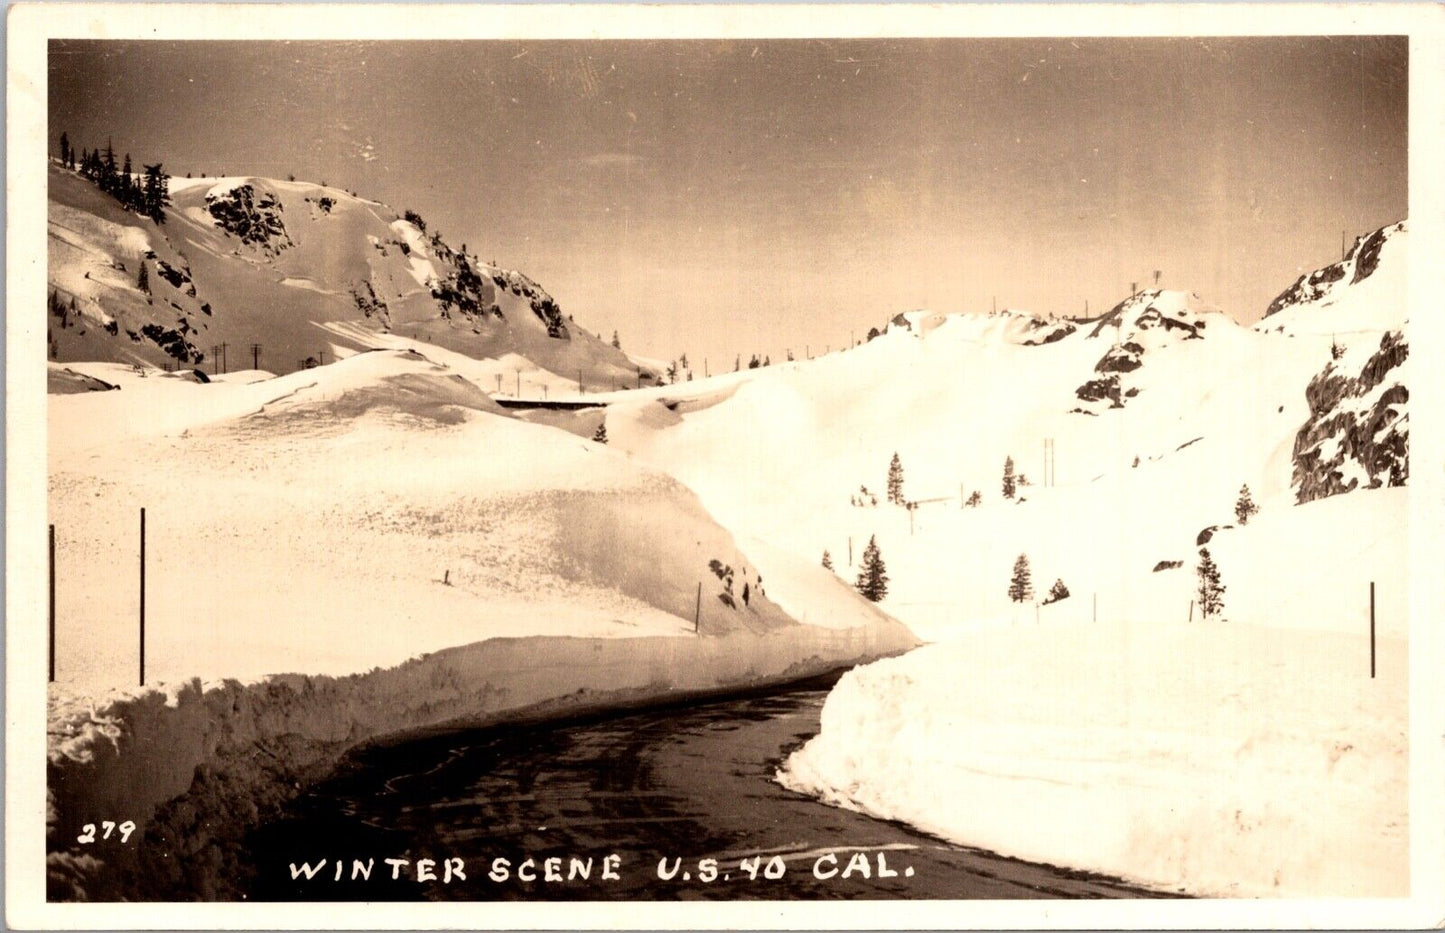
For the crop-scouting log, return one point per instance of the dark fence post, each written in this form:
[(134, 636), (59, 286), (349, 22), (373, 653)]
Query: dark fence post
[(1372, 629), (52, 604), (142, 596), (697, 614)]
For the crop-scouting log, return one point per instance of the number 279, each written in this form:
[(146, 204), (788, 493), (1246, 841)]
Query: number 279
[(87, 833)]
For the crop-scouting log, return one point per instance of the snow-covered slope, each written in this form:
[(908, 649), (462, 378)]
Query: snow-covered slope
[(780, 453), (243, 261), (1086, 731), (414, 554)]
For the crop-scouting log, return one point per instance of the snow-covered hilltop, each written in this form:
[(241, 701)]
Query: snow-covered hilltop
[(245, 261)]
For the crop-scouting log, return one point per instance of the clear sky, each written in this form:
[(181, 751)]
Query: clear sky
[(723, 197)]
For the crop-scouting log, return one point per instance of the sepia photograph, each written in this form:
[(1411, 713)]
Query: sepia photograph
[(502, 465)]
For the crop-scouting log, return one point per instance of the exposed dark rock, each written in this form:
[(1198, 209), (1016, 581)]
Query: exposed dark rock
[(1098, 389), (253, 218), (1124, 358), (1344, 436)]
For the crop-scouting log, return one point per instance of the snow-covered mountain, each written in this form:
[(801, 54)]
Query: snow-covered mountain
[(1349, 296), (1147, 740), (307, 272)]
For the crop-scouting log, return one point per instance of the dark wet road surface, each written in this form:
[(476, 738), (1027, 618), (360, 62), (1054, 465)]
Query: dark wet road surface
[(686, 782)]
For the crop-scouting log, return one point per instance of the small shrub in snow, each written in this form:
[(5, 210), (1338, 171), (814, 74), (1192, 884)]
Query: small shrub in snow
[(827, 559), (1021, 587), (1211, 591), (600, 436), (1057, 592), (974, 499), (873, 575), (1009, 483)]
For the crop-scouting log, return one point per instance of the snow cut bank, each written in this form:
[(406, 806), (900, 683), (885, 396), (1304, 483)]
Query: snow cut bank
[(197, 765), (1217, 759)]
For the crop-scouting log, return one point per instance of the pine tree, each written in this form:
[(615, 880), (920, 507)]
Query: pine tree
[(1021, 587), (873, 575), (1057, 592), (600, 435), (1009, 486), (143, 281), (974, 499), (128, 187), (1244, 506), (1211, 591), (156, 193), (827, 559), (109, 174), (895, 480), (616, 343), (64, 149)]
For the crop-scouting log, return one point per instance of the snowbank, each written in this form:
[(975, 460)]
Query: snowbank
[(1213, 758), (197, 765)]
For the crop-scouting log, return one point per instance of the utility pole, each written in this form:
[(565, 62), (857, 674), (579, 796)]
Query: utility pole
[(697, 613), (580, 390), (1344, 245), (255, 356), (499, 383), (223, 359), (519, 383), (215, 359)]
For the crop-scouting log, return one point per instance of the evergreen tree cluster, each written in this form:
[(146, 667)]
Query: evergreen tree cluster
[(1010, 482), (62, 309), (146, 194)]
